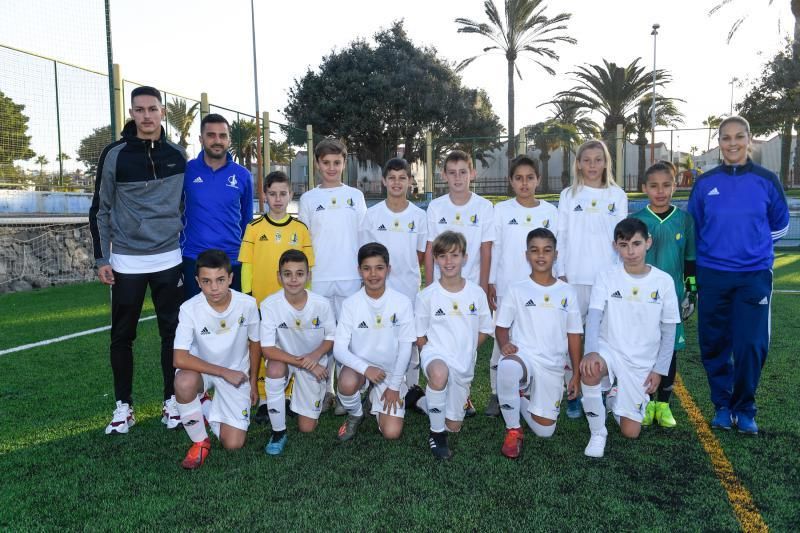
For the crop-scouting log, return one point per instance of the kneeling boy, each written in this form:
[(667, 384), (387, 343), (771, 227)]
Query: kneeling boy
[(373, 342), (545, 324), (297, 331), (638, 307), (452, 319), (216, 346)]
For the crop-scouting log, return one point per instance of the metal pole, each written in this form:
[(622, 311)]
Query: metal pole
[(58, 129), (310, 150), (654, 33), (204, 106), (267, 158), (258, 128), (733, 80), (428, 165), (110, 55), (620, 155), (119, 102)]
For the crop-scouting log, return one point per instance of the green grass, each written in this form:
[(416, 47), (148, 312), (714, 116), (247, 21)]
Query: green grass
[(60, 471)]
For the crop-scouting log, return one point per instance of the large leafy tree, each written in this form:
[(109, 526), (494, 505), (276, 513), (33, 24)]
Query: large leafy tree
[(91, 147), (14, 143), (614, 92), (575, 126), (773, 105), (524, 29), (378, 97), (667, 115), (181, 118)]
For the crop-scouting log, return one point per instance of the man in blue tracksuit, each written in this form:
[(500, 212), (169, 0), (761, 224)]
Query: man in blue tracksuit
[(218, 202), (739, 211)]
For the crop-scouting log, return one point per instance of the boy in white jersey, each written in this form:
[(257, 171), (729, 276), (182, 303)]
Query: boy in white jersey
[(465, 212), (513, 221), (452, 320), (638, 308), (373, 342), (542, 315), (216, 346), (402, 227), (333, 213), (297, 329)]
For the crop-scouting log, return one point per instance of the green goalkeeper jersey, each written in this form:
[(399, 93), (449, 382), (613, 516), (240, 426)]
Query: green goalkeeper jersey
[(673, 243)]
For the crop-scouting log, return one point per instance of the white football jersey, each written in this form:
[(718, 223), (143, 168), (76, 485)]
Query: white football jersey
[(475, 220), (512, 223), (540, 318), (296, 332), (404, 234), (219, 338), (370, 333), (452, 321), (633, 310), (333, 216), (585, 234)]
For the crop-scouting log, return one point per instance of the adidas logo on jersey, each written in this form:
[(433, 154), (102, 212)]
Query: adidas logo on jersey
[(442, 220), (578, 208), (205, 331), (198, 179), (263, 238), (713, 192), (283, 326), (512, 222), (363, 325), (616, 294), (439, 312), (530, 303), (764, 301), (434, 410), (320, 208), (381, 228)]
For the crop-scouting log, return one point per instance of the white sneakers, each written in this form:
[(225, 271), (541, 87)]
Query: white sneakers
[(169, 413), (596, 447), (122, 420)]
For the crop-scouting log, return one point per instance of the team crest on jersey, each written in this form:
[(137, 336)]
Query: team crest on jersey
[(293, 239), (455, 311), (278, 236), (333, 201), (558, 404), (472, 309), (530, 303), (393, 319), (411, 227), (564, 302), (594, 203), (678, 236), (547, 301), (320, 208), (245, 414), (546, 223), (634, 297), (316, 404), (232, 182), (378, 321), (205, 331), (223, 326), (473, 219), (396, 224), (458, 219), (528, 219), (297, 323), (654, 297), (513, 222), (439, 312), (381, 228), (442, 220), (612, 208), (315, 322), (350, 202), (241, 319)]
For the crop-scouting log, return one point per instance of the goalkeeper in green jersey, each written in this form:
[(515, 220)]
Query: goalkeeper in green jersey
[(673, 251)]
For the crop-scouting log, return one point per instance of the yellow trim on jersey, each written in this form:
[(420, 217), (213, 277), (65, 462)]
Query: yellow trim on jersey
[(262, 245)]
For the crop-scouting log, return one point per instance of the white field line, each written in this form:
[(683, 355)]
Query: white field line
[(62, 338), (786, 291)]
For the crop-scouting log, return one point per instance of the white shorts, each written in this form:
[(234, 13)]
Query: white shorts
[(546, 388), (377, 404), (308, 392), (457, 394), (231, 405), (336, 292), (631, 396)]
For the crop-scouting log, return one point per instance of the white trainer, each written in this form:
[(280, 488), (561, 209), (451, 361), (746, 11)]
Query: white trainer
[(169, 413), (596, 447), (122, 420)]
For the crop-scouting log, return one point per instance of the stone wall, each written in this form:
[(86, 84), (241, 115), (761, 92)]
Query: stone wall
[(43, 255)]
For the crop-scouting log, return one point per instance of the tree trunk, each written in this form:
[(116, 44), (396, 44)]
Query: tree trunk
[(641, 142), (796, 173), (786, 152), (796, 42), (511, 131), (565, 167), (544, 157)]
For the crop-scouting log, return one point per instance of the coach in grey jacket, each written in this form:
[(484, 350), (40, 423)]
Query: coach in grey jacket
[(135, 220)]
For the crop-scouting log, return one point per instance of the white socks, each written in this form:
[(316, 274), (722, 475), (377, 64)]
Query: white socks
[(436, 404), (352, 404), (493, 362), (594, 409), (412, 373), (509, 374), (192, 419), (276, 402)]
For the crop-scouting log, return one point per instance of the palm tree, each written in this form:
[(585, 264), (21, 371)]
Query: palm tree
[(575, 125), (614, 92), (281, 152), (795, 7), (41, 161), (525, 28), (712, 122), (243, 141), (667, 115), (181, 118)]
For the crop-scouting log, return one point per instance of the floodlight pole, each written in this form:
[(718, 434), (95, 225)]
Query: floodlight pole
[(654, 33), (258, 128)]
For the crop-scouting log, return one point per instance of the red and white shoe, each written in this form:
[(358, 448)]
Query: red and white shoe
[(512, 445), (169, 413), (196, 455), (122, 420)]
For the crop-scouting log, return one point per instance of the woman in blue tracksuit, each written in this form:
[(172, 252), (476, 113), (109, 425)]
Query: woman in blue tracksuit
[(739, 211)]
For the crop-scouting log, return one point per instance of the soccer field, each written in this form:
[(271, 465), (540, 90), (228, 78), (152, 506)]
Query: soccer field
[(59, 470)]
